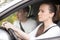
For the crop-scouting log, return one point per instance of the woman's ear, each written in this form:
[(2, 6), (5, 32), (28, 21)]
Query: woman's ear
[(52, 15)]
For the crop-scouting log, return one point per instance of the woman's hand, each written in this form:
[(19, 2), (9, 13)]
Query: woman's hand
[(21, 35), (7, 25)]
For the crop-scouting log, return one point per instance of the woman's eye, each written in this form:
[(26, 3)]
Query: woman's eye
[(42, 11)]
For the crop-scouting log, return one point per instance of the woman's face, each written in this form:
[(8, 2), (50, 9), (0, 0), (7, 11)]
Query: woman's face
[(44, 13)]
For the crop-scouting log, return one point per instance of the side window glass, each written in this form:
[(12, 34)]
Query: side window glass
[(10, 18)]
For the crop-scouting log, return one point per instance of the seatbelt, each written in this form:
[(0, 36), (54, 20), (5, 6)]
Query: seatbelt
[(21, 27)]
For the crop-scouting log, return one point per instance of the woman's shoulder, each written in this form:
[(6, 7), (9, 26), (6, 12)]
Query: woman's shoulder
[(56, 26), (55, 29)]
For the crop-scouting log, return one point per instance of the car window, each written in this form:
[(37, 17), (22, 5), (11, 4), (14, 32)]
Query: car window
[(10, 18), (7, 5), (4, 4)]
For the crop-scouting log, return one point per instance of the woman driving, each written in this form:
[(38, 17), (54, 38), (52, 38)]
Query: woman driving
[(46, 14)]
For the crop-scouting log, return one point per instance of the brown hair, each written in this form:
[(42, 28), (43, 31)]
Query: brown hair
[(25, 9)]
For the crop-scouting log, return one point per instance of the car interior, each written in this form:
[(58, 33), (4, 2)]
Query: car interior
[(9, 8)]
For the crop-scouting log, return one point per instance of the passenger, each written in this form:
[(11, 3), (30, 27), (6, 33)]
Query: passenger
[(25, 24), (49, 29)]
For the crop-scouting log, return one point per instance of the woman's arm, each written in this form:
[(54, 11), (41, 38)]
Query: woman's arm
[(20, 33)]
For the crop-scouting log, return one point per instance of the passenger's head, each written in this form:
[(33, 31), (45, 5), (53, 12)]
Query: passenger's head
[(47, 11), (22, 13)]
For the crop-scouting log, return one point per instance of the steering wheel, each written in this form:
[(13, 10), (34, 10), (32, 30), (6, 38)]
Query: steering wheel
[(7, 34)]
